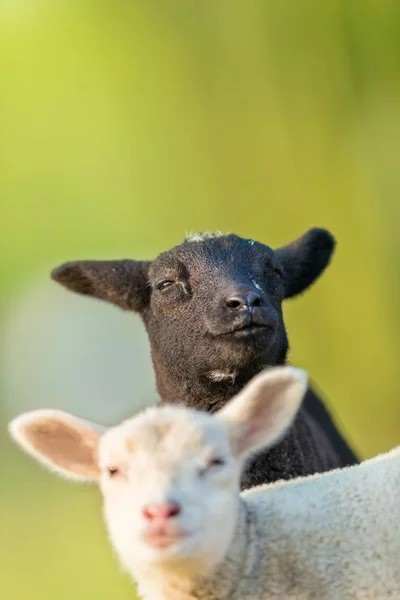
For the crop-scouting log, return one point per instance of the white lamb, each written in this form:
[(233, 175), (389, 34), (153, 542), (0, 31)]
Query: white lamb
[(170, 484)]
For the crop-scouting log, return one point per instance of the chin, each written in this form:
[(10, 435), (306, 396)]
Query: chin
[(245, 347), (182, 549), (253, 336)]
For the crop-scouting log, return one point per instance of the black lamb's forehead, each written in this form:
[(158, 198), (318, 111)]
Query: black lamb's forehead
[(215, 249)]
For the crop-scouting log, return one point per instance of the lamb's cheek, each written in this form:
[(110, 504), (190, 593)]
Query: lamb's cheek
[(122, 536), (112, 520), (120, 522), (221, 516)]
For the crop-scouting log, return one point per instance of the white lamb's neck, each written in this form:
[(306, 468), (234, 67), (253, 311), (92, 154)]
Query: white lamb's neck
[(161, 584)]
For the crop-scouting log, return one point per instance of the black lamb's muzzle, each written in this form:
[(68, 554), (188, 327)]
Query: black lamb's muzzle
[(258, 321)]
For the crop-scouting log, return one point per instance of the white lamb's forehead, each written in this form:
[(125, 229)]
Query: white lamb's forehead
[(167, 431)]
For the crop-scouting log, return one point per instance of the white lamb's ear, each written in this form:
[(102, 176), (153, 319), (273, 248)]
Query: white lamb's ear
[(264, 410), (60, 441)]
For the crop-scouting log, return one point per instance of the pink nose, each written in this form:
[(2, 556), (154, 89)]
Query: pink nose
[(161, 512)]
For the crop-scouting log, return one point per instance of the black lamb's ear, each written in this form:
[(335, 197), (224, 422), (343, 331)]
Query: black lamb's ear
[(121, 282), (305, 259)]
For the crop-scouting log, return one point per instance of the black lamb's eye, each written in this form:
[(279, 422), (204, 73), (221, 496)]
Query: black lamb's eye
[(277, 272), (163, 285), (112, 471)]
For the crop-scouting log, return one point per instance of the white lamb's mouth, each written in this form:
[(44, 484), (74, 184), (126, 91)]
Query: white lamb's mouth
[(163, 540)]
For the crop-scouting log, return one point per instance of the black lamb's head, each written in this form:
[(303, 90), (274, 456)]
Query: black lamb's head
[(212, 306)]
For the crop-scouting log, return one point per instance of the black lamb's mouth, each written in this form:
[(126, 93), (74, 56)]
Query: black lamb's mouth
[(246, 329), (243, 326)]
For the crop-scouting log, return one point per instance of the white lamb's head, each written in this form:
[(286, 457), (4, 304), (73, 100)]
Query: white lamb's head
[(169, 477)]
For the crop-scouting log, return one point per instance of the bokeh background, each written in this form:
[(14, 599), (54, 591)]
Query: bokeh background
[(125, 124)]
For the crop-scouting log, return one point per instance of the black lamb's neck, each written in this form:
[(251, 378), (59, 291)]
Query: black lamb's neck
[(201, 392)]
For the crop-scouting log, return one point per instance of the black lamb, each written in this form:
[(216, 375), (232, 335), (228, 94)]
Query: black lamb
[(212, 307)]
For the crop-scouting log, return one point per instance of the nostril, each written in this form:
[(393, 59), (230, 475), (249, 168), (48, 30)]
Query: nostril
[(161, 511), (174, 509), (234, 303), (244, 300), (148, 512)]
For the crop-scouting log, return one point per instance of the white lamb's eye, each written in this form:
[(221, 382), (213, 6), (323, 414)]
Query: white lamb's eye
[(112, 471), (163, 285), (213, 463), (216, 462)]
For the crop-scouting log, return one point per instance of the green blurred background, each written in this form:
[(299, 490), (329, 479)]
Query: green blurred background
[(125, 124)]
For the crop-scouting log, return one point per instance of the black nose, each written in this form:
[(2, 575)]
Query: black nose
[(243, 300)]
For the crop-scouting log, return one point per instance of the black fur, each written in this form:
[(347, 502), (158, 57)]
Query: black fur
[(213, 312)]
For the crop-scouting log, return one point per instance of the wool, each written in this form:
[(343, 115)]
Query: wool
[(331, 536), (303, 451)]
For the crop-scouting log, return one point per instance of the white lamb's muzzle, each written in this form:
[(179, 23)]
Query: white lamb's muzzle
[(181, 541), (134, 547)]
